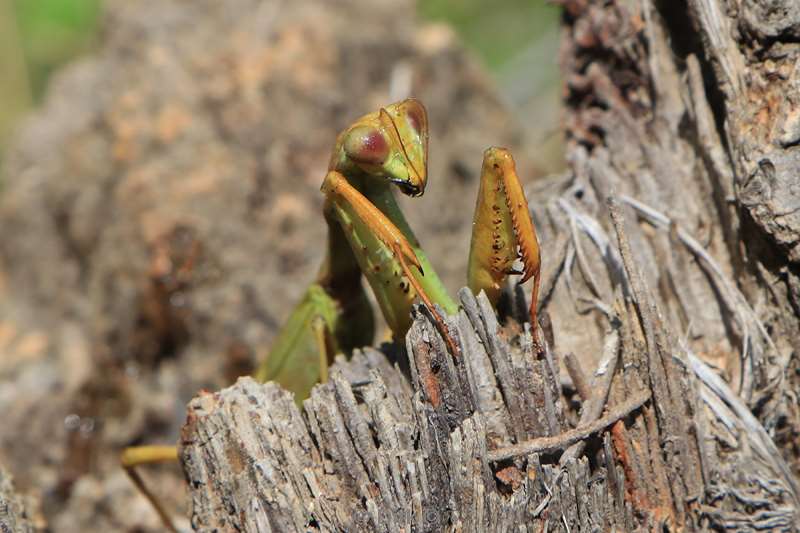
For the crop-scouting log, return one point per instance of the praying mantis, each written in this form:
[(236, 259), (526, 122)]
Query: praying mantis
[(368, 236)]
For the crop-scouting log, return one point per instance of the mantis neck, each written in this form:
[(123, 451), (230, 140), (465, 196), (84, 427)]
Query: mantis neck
[(380, 193)]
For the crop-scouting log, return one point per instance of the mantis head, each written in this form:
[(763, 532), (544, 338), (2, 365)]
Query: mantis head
[(391, 144)]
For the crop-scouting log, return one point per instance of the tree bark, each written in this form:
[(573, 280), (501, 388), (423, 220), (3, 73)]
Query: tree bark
[(671, 251)]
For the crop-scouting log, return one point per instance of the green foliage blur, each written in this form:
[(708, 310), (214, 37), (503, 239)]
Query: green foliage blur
[(496, 31), (53, 32), (38, 36)]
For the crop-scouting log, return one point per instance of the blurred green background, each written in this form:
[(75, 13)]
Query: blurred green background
[(515, 38), (36, 36)]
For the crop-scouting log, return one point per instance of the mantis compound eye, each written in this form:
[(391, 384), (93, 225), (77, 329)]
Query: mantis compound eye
[(366, 145)]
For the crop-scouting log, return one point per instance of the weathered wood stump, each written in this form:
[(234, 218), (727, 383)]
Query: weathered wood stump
[(475, 443), (671, 269)]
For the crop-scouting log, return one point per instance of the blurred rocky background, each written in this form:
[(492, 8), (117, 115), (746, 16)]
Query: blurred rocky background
[(160, 205)]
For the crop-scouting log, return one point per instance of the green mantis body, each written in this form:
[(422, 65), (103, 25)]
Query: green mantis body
[(368, 236), (379, 150)]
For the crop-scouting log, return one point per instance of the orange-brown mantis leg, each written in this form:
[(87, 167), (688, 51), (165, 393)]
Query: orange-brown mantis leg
[(140, 455), (502, 233)]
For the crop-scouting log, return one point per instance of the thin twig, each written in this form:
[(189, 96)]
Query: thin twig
[(559, 442)]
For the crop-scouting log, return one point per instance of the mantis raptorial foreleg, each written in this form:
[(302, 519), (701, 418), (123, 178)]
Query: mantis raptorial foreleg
[(502, 232), (384, 255)]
